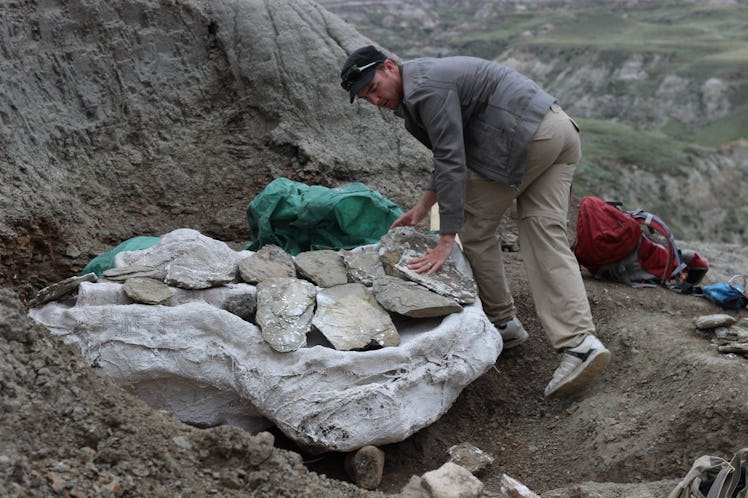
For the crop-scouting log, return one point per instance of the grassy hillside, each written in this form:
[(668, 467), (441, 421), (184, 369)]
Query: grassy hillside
[(654, 151), (692, 41)]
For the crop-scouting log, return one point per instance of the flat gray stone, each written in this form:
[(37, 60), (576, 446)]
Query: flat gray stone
[(122, 274), (146, 290), (447, 281), (324, 267), (713, 321), (350, 317), (187, 277), (454, 279), (731, 334), (452, 481), (471, 457), (60, 289), (410, 299), (363, 264), (285, 308), (269, 262)]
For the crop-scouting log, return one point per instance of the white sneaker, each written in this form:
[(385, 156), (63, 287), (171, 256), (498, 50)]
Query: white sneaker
[(579, 365), (512, 333)]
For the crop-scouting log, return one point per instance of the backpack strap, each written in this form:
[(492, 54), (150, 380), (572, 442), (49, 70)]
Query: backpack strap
[(655, 224), (731, 480), (718, 488), (737, 487)]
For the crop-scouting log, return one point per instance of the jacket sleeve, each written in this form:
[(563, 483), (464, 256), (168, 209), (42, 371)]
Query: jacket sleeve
[(440, 112)]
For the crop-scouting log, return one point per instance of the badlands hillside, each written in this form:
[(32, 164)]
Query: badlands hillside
[(130, 117)]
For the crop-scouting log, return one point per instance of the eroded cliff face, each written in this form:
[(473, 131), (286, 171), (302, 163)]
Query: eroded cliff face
[(628, 88), (134, 118)]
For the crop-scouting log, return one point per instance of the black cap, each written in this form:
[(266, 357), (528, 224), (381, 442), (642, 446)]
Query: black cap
[(359, 69)]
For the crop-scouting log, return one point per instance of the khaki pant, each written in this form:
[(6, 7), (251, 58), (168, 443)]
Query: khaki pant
[(542, 206)]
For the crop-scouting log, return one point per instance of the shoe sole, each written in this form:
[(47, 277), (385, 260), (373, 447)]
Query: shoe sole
[(513, 343), (584, 374)]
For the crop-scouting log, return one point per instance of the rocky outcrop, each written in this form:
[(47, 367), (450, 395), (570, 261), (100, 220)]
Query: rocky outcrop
[(595, 84)]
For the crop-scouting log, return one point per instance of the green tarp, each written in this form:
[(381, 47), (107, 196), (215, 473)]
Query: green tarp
[(299, 217)]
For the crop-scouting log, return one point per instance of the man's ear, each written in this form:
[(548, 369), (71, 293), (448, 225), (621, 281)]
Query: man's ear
[(391, 66)]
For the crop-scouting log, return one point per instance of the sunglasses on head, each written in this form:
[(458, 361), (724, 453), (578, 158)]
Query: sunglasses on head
[(354, 73)]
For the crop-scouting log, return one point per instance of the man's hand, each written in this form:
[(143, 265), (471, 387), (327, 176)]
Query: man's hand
[(434, 258), (418, 212), (411, 218)]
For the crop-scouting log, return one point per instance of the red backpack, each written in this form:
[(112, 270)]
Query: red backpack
[(613, 244)]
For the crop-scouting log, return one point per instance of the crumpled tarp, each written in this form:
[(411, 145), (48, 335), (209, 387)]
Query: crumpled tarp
[(299, 217)]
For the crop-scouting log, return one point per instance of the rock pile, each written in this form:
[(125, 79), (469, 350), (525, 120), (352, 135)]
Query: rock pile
[(728, 333), (339, 349)]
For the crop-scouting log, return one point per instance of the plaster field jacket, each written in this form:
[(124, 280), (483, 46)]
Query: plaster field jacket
[(471, 113)]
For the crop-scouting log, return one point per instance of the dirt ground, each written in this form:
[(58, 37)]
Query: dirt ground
[(667, 397)]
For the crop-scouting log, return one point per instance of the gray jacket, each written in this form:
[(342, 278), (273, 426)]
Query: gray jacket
[(471, 113)]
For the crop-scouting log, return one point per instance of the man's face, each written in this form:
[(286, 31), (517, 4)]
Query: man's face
[(386, 88)]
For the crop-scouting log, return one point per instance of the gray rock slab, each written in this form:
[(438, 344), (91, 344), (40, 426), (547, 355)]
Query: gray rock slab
[(146, 290), (122, 274), (733, 334), (197, 278), (350, 317), (269, 262), (471, 457), (447, 281), (363, 264), (454, 279), (285, 308), (411, 299), (60, 289), (191, 260), (237, 298), (452, 481), (714, 321), (324, 267), (392, 244)]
